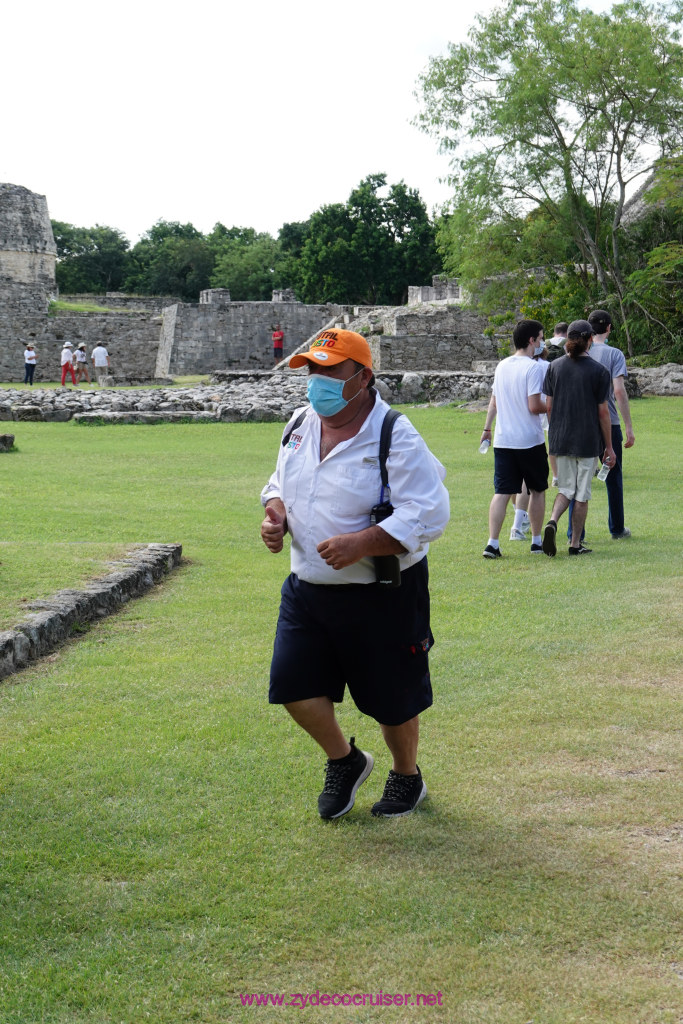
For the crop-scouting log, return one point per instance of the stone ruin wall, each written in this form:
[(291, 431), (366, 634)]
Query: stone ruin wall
[(28, 254), (132, 341), (152, 336), (203, 337), (432, 338), (443, 291)]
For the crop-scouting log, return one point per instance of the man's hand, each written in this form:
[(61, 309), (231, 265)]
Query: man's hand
[(346, 548), (630, 438), (609, 457), (273, 528), (342, 550)]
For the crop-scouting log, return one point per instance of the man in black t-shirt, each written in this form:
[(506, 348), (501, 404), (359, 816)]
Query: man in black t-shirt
[(576, 388)]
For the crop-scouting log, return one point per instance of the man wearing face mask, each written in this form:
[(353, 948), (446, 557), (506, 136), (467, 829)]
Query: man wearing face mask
[(337, 626), (517, 405)]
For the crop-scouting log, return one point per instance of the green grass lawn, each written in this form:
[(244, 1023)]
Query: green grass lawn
[(160, 850), (190, 380)]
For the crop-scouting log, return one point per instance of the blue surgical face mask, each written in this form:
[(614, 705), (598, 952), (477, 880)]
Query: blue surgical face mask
[(325, 393), (539, 348)]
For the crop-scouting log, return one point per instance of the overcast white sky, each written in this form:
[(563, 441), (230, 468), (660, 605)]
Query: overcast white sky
[(252, 114)]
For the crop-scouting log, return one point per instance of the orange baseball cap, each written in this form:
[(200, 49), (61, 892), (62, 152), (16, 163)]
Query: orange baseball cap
[(334, 346)]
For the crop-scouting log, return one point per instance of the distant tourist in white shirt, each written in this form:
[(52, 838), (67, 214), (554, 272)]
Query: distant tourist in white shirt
[(29, 364), (100, 361)]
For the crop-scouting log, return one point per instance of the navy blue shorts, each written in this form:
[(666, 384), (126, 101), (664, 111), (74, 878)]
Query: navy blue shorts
[(515, 466), (373, 639)]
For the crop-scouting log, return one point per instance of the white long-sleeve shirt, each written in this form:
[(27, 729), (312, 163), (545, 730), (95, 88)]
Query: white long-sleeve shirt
[(323, 499)]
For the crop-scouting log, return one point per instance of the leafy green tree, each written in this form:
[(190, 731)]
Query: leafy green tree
[(370, 249), (92, 260), (562, 109), (171, 259), (247, 263), (291, 238)]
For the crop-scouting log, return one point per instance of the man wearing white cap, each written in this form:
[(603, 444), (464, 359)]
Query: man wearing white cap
[(339, 624)]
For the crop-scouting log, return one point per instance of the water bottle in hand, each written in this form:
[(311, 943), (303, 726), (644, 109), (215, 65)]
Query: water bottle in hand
[(604, 470), (484, 447)]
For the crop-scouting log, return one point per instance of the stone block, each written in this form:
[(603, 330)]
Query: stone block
[(57, 415), (27, 412), (6, 442), (7, 664)]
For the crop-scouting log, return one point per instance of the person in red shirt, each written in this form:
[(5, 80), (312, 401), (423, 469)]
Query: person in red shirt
[(278, 339)]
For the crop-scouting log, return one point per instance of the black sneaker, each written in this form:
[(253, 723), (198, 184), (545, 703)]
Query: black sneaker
[(581, 550), (491, 552), (536, 549), (549, 545), (402, 794), (343, 777)]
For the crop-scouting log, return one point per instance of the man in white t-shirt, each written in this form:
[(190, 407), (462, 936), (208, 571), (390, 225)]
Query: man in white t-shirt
[(100, 361), (517, 405)]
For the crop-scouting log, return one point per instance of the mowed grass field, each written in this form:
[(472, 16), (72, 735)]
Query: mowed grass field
[(161, 857)]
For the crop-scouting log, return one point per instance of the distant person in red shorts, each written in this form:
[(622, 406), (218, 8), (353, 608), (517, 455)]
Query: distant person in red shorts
[(278, 339), (67, 361)]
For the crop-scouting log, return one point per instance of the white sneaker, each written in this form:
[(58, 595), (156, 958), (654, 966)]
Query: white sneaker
[(516, 534), (624, 533)]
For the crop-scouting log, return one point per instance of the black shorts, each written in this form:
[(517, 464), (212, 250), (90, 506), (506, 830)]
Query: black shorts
[(514, 466), (373, 639)]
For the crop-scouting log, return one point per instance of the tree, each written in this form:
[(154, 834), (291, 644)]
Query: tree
[(564, 110), (171, 259), (653, 253), (92, 260), (370, 249), (246, 262)]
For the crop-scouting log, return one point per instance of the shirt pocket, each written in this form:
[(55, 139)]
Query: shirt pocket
[(356, 490), (290, 472)]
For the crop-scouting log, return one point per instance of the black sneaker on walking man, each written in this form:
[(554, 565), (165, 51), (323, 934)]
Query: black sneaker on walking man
[(338, 626)]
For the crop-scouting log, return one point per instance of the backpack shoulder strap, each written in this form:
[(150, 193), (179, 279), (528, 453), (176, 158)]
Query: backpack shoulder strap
[(297, 423), (385, 443)]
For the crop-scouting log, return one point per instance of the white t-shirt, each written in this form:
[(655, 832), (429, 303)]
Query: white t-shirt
[(80, 356), (29, 355), (100, 355), (335, 496), (515, 379), (67, 356)]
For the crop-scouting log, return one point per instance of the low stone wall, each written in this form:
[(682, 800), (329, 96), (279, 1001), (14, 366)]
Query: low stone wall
[(420, 352), (253, 396), (656, 380), (132, 340), (121, 300), (200, 337), (59, 617), (429, 338)]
